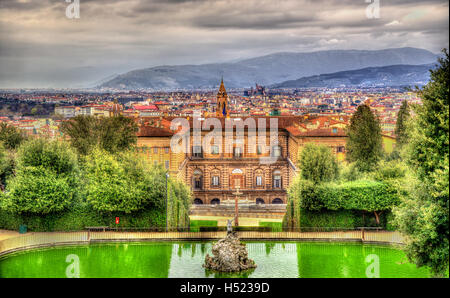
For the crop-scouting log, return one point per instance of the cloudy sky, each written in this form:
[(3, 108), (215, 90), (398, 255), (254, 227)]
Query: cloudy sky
[(41, 47)]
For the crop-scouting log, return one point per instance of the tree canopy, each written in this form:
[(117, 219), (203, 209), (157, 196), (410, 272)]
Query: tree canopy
[(424, 213), (45, 180), (400, 126), (364, 144), (317, 163), (112, 134), (10, 136), (122, 182)]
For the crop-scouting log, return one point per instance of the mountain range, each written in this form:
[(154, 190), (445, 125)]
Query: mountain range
[(278, 68), (385, 76)]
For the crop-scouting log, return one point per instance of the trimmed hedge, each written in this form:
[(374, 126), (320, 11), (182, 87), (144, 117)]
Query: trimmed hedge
[(340, 204), (344, 219), (354, 195), (78, 217)]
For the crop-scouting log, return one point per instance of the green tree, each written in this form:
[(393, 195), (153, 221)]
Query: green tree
[(400, 127), (45, 180), (317, 163), (364, 144), (122, 182), (423, 214), (10, 136), (6, 166), (113, 134)]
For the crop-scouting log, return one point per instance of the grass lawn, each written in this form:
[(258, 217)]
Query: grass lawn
[(196, 224), (243, 221), (276, 226)]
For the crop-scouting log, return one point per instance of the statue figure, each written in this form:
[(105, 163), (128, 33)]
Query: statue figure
[(229, 226)]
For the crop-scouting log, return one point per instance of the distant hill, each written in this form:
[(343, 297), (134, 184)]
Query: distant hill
[(265, 70), (386, 76)]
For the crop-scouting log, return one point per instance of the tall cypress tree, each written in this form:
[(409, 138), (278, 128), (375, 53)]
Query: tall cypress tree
[(364, 144), (400, 127)]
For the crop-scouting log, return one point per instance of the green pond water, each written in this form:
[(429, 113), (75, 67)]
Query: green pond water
[(185, 259)]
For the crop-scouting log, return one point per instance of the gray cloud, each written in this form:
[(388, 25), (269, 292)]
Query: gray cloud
[(40, 47)]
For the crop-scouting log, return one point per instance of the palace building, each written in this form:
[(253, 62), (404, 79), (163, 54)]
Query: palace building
[(215, 173)]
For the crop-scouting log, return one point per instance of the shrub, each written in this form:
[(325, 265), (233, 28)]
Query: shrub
[(122, 183), (389, 170), (46, 178), (350, 172), (317, 163), (362, 195)]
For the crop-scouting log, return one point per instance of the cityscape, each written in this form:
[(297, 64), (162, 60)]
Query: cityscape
[(195, 139)]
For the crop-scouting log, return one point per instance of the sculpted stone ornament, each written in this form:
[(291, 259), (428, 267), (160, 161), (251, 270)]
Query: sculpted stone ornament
[(229, 254)]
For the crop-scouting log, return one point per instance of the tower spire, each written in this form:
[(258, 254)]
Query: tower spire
[(222, 101)]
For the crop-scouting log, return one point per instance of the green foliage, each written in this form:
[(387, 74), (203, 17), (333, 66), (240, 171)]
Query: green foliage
[(38, 190), (10, 136), (387, 170), (45, 180), (178, 202), (79, 216), (364, 144), (358, 195), (350, 172), (275, 226), (353, 196), (400, 127), (330, 218), (347, 219), (423, 215), (6, 165), (195, 225), (318, 163), (122, 183), (113, 134)]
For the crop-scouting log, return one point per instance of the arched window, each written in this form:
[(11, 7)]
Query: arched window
[(215, 178), (259, 178), (198, 202), (276, 179), (215, 201), (237, 171), (259, 201), (277, 201)]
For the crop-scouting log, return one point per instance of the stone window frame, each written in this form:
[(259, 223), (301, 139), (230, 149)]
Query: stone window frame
[(277, 173), (259, 173), (197, 177)]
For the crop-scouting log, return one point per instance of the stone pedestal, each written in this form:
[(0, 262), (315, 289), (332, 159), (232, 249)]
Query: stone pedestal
[(229, 255)]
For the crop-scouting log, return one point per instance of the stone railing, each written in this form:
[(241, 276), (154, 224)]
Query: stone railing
[(34, 240)]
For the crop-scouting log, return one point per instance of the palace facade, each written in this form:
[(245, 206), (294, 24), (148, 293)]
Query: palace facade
[(215, 173)]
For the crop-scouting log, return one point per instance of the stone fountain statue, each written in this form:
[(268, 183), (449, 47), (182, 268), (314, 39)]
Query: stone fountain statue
[(229, 254)]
